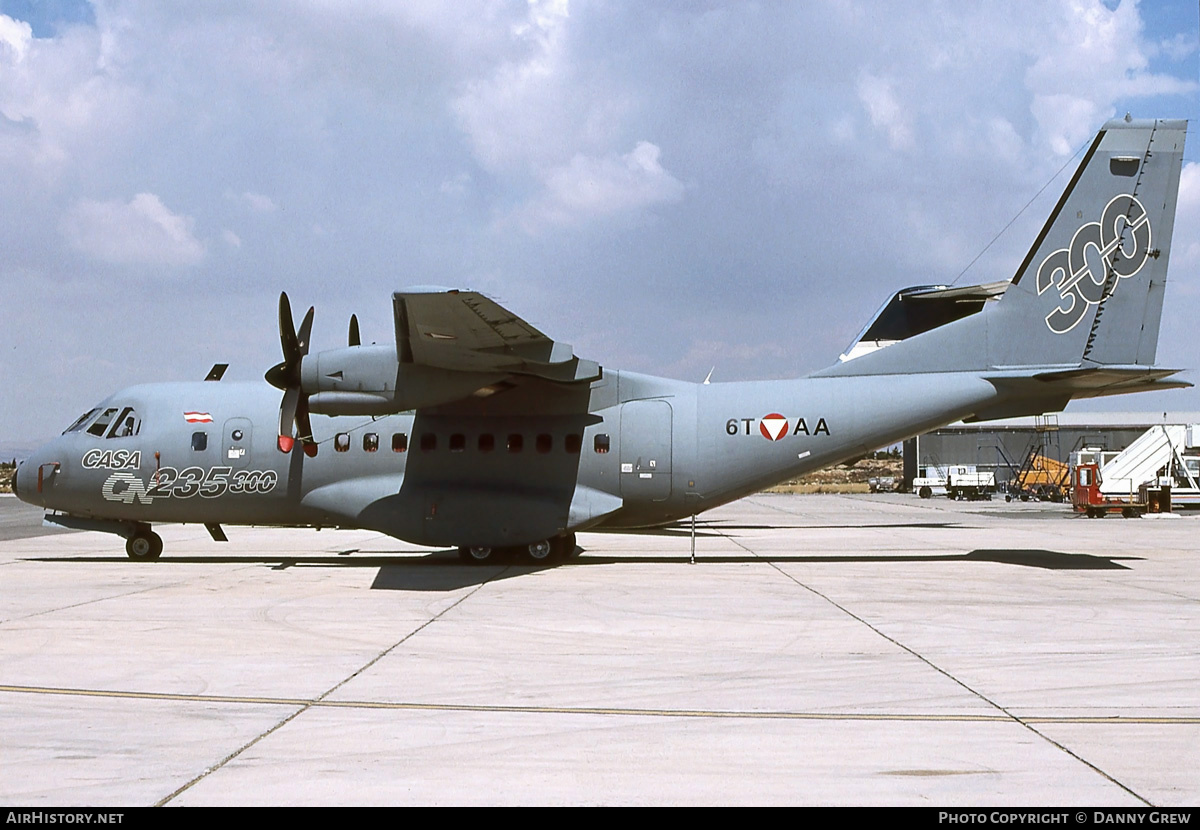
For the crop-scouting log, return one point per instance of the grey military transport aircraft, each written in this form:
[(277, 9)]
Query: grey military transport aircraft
[(475, 430)]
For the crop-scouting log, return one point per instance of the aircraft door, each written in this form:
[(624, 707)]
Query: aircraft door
[(235, 451), (646, 450)]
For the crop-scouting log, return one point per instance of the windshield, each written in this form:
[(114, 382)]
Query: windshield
[(111, 422)]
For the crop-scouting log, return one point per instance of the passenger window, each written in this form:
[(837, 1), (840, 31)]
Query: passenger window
[(600, 442), (101, 426), (341, 441), (399, 442), (545, 442), (516, 442), (83, 419), (199, 441), (458, 442), (371, 442), (428, 442), (487, 442), (573, 443)]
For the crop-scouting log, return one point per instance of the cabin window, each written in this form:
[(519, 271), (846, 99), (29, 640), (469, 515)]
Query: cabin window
[(371, 442), (101, 426), (600, 443), (573, 443), (199, 441), (487, 442), (545, 442), (458, 442), (399, 442), (428, 442), (83, 419), (1085, 477), (341, 441), (516, 442)]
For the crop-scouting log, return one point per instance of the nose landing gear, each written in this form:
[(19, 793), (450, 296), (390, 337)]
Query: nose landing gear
[(144, 544)]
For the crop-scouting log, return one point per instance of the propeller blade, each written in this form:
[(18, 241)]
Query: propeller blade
[(302, 337), (304, 428), (354, 338), (287, 410), (303, 424), (287, 331), (293, 409)]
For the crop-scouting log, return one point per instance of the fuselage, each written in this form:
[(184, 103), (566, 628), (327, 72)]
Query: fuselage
[(639, 451)]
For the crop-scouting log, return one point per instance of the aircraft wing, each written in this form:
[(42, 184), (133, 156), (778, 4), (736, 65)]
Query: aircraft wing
[(464, 331)]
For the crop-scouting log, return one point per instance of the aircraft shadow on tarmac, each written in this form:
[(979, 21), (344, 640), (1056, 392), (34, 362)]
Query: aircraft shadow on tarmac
[(443, 571)]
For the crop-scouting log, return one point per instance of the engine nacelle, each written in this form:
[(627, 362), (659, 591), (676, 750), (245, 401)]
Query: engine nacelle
[(370, 380)]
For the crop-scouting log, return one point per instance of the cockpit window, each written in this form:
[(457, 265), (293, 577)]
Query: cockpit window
[(83, 419), (126, 424), (101, 424)]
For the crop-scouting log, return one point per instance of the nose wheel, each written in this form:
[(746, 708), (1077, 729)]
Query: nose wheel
[(144, 544)]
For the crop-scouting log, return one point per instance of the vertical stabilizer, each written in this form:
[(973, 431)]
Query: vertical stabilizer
[(1090, 290)]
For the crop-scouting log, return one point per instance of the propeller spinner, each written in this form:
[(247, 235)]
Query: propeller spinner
[(286, 376)]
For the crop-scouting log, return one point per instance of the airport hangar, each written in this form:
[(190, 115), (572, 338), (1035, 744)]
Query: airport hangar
[(1001, 446)]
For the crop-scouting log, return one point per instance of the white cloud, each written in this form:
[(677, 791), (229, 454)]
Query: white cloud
[(523, 110), (885, 110), (257, 202), (140, 232), (1088, 56), (1185, 254), (457, 185), (588, 187), (15, 36)]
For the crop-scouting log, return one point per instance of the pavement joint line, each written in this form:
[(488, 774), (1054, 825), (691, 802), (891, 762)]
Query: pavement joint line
[(930, 717), (1028, 724), (304, 706)]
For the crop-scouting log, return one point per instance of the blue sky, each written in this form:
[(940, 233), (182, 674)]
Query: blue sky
[(670, 187)]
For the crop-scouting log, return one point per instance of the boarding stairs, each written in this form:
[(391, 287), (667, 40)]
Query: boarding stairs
[(1142, 460)]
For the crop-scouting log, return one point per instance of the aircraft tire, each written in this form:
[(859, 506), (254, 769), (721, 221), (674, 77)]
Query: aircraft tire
[(541, 552), (476, 554), (144, 545)]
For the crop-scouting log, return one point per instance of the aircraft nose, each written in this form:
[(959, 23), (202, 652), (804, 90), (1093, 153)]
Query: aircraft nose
[(25, 484)]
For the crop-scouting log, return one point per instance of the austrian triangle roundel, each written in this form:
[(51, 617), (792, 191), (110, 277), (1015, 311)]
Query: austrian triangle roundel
[(773, 426)]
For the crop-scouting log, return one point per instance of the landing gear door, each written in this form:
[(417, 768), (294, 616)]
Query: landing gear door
[(235, 449), (646, 450)]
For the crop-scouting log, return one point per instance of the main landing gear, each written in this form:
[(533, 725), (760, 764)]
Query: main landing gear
[(143, 544), (544, 552)]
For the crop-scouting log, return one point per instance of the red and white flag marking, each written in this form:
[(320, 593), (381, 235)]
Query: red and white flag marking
[(197, 417), (773, 426)]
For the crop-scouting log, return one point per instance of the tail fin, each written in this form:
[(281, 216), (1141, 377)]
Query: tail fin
[(1090, 290)]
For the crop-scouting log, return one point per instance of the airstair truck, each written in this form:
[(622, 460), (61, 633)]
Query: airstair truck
[(1158, 471)]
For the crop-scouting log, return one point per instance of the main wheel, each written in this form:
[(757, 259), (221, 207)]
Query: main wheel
[(476, 554), (144, 544), (539, 552)]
